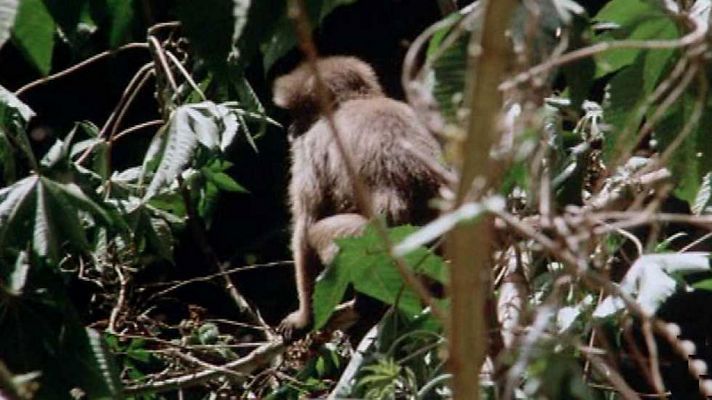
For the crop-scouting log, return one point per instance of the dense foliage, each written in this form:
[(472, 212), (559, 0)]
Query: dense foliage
[(599, 200)]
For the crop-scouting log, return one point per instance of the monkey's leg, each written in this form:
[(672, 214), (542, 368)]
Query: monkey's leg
[(306, 268), (314, 247), (362, 310), (323, 233)]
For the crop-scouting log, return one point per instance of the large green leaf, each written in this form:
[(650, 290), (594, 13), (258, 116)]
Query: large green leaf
[(8, 10), (692, 159), (34, 34), (42, 332), (45, 212), (365, 263)]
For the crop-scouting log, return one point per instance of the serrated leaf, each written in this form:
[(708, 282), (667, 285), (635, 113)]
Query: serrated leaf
[(8, 11), (59, 152), (180, 143), (79, 199), (34, 34), (15, 207), (650, 282)]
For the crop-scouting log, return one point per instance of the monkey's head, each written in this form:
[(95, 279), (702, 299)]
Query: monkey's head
[(344, 78)]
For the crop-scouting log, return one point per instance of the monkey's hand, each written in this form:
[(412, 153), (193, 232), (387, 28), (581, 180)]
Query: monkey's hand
[(294, 323)]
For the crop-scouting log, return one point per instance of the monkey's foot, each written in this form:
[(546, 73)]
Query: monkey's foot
[(294, 323)]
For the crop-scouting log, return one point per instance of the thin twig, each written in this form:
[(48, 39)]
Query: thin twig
[(186, 75), (259, 357), (143, 125), (615, 379), (19, 92)]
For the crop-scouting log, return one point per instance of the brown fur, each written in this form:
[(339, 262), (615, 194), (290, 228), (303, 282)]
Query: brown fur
[(372, 128)]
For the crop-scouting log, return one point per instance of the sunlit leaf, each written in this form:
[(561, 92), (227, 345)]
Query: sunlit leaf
[(650, 282)]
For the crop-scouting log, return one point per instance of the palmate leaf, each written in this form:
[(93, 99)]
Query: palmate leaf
[(42, 332), (213, 126), (45, 212)]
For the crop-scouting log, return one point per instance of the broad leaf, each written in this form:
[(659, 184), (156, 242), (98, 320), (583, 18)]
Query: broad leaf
[(365, 263), (121, 14), (692, 159), (34, 34), (45, 212)]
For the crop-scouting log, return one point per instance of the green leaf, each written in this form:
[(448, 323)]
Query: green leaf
[(105, 378), (223, 181), (14, 116), (635, 20), (625, 96), (59, 152), (692, 159), (121, 13), (329, 289), (34, 34), (8, 11), (16, 202), (10, 105)]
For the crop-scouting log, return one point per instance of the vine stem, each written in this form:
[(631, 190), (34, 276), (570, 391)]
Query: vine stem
[(19, 92)]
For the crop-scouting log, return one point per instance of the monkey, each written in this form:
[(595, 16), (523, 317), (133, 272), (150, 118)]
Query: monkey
[(373, 129)]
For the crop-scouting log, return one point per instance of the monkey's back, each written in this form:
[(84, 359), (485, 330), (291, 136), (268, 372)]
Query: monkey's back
[(381, 136)]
